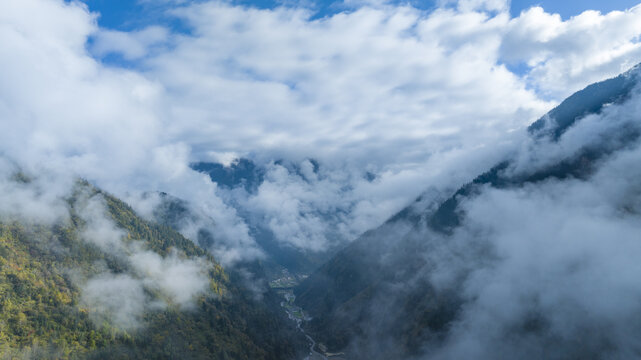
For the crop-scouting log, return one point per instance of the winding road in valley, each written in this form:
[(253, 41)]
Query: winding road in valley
[(285, 285), (313, 354)]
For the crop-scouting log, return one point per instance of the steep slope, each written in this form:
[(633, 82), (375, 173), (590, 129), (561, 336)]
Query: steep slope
[(64, 293), (350, 297)]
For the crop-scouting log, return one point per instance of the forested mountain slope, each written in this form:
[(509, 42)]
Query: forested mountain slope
[(102, 282), (378, 298)]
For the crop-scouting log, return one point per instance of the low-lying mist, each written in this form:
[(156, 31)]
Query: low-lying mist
[(545, 268)]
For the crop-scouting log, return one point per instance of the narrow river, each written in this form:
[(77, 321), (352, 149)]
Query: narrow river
[(312, 353), (296, 313)]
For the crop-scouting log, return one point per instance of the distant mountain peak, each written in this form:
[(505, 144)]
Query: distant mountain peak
[(590, 100)]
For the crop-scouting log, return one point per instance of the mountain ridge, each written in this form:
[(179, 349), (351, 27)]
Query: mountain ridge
[(340, 294), (50, 308)]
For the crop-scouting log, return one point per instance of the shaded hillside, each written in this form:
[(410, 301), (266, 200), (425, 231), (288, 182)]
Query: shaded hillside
[(369, 299), (48, 310), (243, 173), (179, 214)]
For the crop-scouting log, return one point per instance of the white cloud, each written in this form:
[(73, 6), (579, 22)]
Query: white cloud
[(131, 45), (63, 111), (420, 99), (489, 5), (567, 55), (405, 94), (32, 200), (180, 279), (565, 256), (543, 269), (119, 299), (122, 298), (389, 81)]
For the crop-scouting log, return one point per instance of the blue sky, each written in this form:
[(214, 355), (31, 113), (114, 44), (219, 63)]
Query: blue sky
[(127, 15), (572, 7), (131, 14)]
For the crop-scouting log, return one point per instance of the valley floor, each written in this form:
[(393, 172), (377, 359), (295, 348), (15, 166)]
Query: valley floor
[(285, 285)]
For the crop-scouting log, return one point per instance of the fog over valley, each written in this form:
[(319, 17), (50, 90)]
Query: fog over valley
[(205, 179)]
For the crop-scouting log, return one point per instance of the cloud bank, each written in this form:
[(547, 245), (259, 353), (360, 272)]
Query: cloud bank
[(562, 284), (123, 298), (538, 269), (405, 94)]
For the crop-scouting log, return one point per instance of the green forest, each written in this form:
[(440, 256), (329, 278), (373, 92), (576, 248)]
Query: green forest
[(42, 315)]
